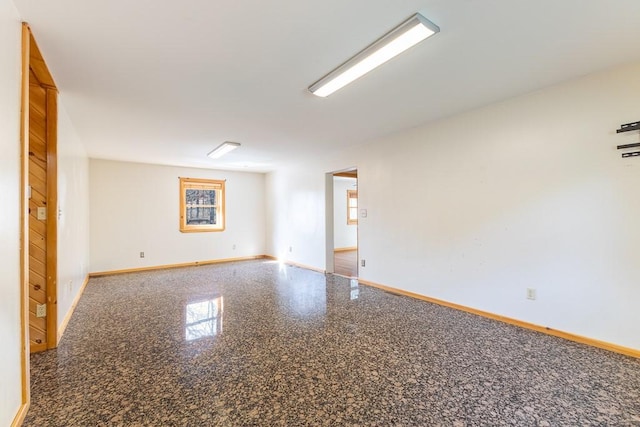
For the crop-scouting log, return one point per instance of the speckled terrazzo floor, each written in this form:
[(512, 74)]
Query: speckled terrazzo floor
[(259, 344)]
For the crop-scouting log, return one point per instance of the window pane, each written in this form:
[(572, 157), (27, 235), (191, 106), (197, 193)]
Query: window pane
[(353, 203), (201, 215), (200, 197), (353, 213)]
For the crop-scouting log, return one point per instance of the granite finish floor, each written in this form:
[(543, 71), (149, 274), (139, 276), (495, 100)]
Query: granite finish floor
[(260, 344)]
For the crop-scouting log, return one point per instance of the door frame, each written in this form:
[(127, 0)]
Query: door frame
[(24, 226), (329, 219), (32, 60)]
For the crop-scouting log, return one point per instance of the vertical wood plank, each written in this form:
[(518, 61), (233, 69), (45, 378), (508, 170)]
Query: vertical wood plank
[(38, 229), (52, 218)]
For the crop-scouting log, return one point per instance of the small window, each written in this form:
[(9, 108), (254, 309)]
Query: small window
[(201, 205), (352, 207)]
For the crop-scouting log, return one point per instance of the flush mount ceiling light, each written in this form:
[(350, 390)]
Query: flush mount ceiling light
[(409, 33), (223, 149)]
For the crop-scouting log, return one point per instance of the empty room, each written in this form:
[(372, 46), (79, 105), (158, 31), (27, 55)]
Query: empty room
[(362, 213)]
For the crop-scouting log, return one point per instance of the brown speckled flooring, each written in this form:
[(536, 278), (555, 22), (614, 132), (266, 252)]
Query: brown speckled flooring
[(260, 344)]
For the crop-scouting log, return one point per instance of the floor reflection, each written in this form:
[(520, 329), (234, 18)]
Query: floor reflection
[(355, 290), (301, 294), (203, 319)]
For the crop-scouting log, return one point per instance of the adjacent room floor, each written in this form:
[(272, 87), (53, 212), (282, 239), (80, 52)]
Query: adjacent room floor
[(346, 263), (259, 343)]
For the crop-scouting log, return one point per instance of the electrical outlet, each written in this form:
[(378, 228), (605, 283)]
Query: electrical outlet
[(70, 286), (41, 310), (531, 293), (141, 254), (363, 263), (234, 247), (290, 248), (41, 213)]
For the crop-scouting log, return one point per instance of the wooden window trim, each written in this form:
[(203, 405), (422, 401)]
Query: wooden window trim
[(211, 184), (352, 194)]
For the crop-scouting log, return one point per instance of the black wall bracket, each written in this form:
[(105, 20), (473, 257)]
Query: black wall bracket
[(628, 127), (631, 154), (635, 144)]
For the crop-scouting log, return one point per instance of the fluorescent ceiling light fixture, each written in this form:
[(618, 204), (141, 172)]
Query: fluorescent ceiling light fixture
[(223, 149), (409, 33)]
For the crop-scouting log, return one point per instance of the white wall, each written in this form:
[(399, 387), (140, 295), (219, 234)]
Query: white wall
[(10, 371), (295, 207), (135, 208), (73, 205), (344, 235), (530, 192)]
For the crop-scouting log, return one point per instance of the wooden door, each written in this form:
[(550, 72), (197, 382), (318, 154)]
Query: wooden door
[(37, 214), (42, 206)]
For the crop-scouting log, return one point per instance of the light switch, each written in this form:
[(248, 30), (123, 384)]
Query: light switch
[(363, 213), (42, 213)]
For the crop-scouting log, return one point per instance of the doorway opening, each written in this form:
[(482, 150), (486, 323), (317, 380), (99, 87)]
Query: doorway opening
[(342, 247)]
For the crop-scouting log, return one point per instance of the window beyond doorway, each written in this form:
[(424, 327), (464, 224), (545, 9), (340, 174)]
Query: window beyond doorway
[(352, 207)]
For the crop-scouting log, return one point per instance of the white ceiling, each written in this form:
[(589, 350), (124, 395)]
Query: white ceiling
[(165, 82)]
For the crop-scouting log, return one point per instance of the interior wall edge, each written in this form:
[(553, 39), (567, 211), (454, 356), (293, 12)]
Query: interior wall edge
[(67, 316)]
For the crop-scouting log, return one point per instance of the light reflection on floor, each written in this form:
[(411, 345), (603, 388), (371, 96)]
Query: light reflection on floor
[(203, 318), (354, 288)]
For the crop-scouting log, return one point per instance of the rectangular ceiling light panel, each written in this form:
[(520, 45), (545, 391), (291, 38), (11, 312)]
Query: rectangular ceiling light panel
[(223, 149), (409, 33)]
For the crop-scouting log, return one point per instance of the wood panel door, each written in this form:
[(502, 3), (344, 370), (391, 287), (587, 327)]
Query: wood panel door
[(37, 209), (42, 216)]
